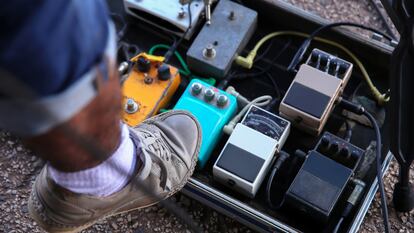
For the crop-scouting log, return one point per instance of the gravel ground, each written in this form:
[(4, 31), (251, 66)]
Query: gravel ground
[(18, 168)]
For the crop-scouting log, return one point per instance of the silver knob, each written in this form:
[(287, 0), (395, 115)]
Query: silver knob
[(209, 94), (196, 88), (222, 100)]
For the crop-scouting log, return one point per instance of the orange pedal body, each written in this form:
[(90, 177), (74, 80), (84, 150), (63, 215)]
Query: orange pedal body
[(149, 88)]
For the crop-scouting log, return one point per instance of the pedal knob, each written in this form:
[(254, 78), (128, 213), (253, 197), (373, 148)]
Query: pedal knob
[(143, 64), (345, 152), (334, 147), (164, 72), (324, 142), (222, 100), (209, 94), (196, 88)]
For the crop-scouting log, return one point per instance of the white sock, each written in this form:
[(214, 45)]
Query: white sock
[(106, 178)]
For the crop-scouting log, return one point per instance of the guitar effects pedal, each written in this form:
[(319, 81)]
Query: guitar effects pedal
[(213, 108), (250, 150), (311, 97), (169, 15), (213, 51), (149, 87), (323, 177)]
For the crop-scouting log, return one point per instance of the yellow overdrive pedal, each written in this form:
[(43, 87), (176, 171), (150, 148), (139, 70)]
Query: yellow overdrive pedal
[(149, 88)]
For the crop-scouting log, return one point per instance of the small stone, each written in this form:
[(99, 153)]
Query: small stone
[(135, 225), (129, 218), (114, 226)]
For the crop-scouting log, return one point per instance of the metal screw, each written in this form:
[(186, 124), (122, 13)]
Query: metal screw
[(131, 106), (181, 13), (209, 51), (147, 79)]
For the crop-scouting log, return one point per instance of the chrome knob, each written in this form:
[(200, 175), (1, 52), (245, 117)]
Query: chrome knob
[(209, 94), (222, 100), (196, 88)]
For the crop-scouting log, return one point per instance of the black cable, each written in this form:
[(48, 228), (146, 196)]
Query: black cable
[(305, 45), (379, 174), (175, 45), (348, 131), (338, 225), (358, 109), (265, 52), (224, 83), (283, 156), (122, 31), (268, 67)]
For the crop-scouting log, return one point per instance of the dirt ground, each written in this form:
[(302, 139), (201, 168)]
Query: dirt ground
[(19, 167)]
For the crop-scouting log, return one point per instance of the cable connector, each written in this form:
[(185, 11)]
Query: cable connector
[(241, 100), (351, 106), (280, 160), (246, 62), (357, 192), (351, 202)]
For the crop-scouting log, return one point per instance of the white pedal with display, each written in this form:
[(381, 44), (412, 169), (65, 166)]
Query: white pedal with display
[(169, 15), (248, 154)]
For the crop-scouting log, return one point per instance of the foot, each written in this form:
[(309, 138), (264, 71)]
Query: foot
[(167, 155)]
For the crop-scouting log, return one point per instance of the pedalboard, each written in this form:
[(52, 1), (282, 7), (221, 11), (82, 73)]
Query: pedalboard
[(323, 177), (169, 15), (248, 154), (213, 108), (216, 46), (310, 98), (148, 88)]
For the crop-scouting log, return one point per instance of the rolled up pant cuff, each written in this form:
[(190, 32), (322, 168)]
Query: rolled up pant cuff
[(27, 116)]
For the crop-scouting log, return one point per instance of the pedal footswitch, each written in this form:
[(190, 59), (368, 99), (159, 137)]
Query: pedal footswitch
[(247, 156), (148, 88)]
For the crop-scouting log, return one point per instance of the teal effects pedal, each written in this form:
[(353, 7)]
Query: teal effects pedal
[(213, 108)]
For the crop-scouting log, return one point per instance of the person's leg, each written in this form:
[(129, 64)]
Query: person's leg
[(66, 106), (99, 121)]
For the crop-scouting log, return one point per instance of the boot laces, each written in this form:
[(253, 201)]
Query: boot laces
[(154, 145)]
